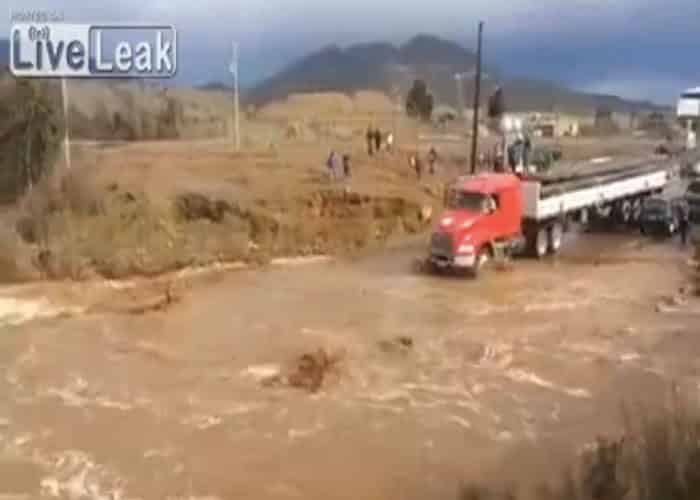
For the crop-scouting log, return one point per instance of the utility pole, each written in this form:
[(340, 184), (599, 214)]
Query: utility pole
[(233, 68), (477, 99), (66, 124)]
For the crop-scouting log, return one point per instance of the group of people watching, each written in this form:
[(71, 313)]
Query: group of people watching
[(375, 141), (339, 165), (416, 163)]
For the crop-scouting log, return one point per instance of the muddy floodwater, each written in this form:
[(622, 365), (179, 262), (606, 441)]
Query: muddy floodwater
[(435, 379)]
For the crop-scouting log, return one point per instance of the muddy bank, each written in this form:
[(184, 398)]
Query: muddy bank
[(73, 230)]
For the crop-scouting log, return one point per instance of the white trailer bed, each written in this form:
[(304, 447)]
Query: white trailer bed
[(554, 201)]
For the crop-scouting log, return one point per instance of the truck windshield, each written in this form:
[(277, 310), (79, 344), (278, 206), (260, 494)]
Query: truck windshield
[(464, 200)]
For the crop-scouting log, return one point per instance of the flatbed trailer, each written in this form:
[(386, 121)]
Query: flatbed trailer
[(617, 187)]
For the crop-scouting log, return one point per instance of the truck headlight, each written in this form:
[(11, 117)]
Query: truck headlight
[(466, 249)]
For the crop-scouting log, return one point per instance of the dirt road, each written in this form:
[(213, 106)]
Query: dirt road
[(170, 405)]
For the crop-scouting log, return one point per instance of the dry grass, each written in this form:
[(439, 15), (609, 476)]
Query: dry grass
[(15, 262), (658, 458), (80, 228), (77, 226)]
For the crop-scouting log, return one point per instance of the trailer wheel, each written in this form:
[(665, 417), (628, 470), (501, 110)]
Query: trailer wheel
[(556, 235), (636, 210), (541, 243), (625, 212)]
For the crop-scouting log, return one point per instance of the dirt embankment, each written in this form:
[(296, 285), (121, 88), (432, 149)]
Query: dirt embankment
[(134, 211)]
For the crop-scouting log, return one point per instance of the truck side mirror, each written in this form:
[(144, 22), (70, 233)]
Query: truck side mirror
[(491, 206)]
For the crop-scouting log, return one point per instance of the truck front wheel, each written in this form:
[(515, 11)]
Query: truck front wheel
[(482, 261)]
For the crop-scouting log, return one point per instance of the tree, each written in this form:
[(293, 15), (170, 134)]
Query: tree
[(419, 102), (30, 135)]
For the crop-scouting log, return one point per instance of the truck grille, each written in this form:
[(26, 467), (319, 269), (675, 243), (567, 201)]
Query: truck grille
[(441, 245)]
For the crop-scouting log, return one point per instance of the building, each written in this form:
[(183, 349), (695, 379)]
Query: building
[(689, 104), (688, 112)]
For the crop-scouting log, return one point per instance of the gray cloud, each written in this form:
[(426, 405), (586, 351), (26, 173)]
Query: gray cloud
[(581, 40)]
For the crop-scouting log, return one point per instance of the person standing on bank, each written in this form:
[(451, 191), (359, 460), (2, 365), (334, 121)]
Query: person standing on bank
[(346, 166), (684, 222), (432, 160), (390, 142), (370, 140), (416, 165), (330, 165)]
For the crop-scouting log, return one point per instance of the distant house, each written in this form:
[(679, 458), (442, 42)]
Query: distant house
[(689, 104)]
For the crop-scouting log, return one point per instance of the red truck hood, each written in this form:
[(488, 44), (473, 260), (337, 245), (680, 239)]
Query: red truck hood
[(452, 221)]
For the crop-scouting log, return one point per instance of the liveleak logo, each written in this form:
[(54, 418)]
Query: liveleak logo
[(89, 50)]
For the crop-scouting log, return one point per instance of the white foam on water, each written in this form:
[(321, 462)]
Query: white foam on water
[(523, 376), (300, 261), (262, 372), (555, 306), (630, 357), (295, 434), (21, 440), (578, 393), (391, 409), (499, 355), (76, 394), (243, 409), (588, 348), (485, 309), (77, 477), (208, 497), (504, 436), (15, 312), (460, 421), (202, 422)]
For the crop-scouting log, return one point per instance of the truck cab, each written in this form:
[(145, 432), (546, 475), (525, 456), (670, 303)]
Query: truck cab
[(482, 214)]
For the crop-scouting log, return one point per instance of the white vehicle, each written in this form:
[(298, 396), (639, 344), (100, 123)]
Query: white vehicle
[(689, 110)]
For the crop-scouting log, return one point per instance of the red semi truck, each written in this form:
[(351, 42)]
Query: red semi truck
[(497, 214)]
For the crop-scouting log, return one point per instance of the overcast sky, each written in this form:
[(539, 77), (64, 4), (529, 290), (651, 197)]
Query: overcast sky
[(637, 48)]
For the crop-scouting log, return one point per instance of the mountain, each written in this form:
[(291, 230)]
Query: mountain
[(214, 85), (387, 68)]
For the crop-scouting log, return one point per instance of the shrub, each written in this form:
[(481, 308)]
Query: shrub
[(31, 130), (658, 458)]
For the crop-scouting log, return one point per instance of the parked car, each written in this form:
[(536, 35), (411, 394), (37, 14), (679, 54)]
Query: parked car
[(692, 196), (659, 217)]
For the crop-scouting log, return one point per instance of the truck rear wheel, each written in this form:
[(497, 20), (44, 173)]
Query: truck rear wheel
[(556, 235), (541, 243)]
